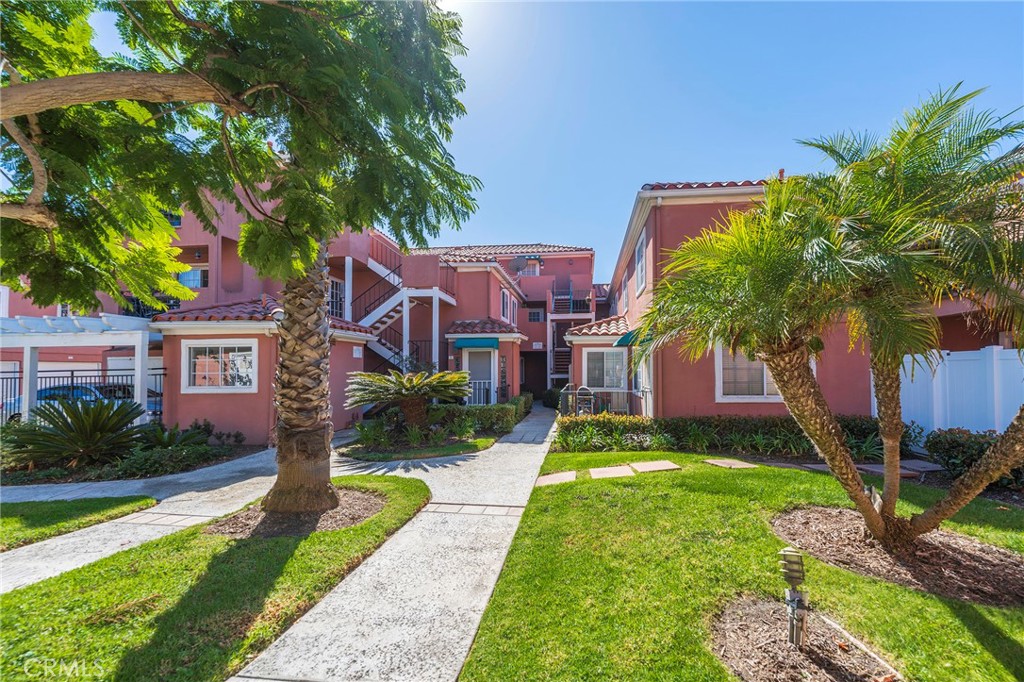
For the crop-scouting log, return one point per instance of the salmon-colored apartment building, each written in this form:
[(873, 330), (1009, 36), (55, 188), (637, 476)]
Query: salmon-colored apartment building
[(518, 317)]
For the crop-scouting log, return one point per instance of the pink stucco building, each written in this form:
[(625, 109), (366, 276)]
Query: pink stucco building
[(518, 317)]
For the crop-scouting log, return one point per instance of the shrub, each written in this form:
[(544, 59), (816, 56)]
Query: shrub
[(769, 436), (437, 435), (499, 419), (464, 427), (204, 426), (142, 463), (551, 398), (75, 433), (415, 435), (958, 449), (157, 436), (373, 434)]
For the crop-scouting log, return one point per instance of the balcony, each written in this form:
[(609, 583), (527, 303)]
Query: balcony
[(134, 307)]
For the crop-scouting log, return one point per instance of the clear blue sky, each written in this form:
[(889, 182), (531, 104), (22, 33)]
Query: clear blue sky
[(573, 106)]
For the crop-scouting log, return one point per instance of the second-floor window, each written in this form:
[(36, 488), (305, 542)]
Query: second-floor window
[(195, 278), (532, 269), (640, 261), (505, 304), (515, 311), (336, 298)]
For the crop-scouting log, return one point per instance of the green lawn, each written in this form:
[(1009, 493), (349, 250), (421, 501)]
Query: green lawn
[(620, 579), (460, 448), (24, 522), (190, 606)]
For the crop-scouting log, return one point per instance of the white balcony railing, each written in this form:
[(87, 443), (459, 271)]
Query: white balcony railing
[(480, 393)]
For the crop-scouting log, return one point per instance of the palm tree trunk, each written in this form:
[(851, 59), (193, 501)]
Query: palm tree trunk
[(302, 397), (886, 377), (1005, 454), (791, 371)]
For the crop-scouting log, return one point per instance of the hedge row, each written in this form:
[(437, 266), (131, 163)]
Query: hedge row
[(751, 435), (500, 418), (958, 449)]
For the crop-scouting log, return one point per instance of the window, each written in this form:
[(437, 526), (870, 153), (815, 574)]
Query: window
[(63, 310), (195, 278), (228, 366), (532, 269), (625, 297), (605, 368), (336, 298), (504, 304), (740, 379), (515, 311), (173, 218), (640, 261), (535, 315)]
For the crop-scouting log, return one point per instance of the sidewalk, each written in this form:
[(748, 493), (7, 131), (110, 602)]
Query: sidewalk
[(411, 610)]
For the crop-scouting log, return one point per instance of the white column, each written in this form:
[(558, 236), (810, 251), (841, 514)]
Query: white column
[(29, 380), (435, 332), (405, 325), (141, 370), (348, 288)]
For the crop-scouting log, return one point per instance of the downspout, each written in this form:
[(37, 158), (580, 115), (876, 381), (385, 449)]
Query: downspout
[(656, 366)]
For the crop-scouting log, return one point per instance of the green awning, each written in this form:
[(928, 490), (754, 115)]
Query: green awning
[(629, 339), (476, 343)]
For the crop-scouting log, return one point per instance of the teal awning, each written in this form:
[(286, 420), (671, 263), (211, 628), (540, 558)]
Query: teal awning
[(628, 339), (476, 343)]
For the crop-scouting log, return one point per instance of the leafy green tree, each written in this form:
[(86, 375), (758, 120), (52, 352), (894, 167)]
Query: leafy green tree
[(358, 97), (410, 392), (927, 213)]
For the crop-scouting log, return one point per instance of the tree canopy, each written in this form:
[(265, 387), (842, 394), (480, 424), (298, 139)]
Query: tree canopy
[(356, 100)]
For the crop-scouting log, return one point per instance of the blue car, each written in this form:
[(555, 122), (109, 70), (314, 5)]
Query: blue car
[(89, 393)]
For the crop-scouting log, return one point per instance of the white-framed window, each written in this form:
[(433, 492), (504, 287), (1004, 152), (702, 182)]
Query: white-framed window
[(625, 297), (515, 311), (505, 304), (336, 298), (640, 261), (738, 379), (63, 310), (532, 269), (605, 368), (535, 315), (219, 366), (198, 277)]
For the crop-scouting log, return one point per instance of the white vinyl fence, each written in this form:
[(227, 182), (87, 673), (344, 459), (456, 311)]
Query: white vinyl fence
[(976, 390)]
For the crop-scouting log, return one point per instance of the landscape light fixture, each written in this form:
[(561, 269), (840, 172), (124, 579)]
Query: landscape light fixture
[(792, 567)]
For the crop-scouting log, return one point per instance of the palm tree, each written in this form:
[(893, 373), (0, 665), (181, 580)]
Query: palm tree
[(902, 224), (409, 391)]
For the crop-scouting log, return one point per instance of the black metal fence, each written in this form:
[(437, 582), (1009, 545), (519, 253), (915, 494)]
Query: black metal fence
[(77, 384)]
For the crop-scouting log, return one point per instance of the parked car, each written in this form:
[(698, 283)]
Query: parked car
[(89, 393)]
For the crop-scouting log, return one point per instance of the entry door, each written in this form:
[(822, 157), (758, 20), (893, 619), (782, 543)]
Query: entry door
[(479, 363)]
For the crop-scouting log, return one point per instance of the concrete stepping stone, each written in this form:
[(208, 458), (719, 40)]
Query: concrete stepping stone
[(730, 464), (658, 465), (879, 470), (921, 465), (611, 472), (551, 479)]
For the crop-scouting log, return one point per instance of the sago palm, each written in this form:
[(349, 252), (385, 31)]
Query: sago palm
[(410, 392)]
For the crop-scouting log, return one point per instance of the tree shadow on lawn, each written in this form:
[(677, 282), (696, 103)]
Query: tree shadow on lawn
[(1005, 649), (198, 637)]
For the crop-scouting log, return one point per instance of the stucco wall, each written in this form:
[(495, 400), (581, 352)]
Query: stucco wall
[(343, 361)]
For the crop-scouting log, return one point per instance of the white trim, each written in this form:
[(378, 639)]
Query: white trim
[(185, 362), (506, 304), (720, 398), (641, 249), (5, 300), (503, 336), (592, 339), (354, 337), (625, 368), (494, 368), (192, 327)]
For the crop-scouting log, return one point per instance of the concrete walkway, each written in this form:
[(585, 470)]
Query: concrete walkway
[(411, 610)]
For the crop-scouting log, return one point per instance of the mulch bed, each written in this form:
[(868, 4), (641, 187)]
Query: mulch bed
[(354, 507), (750, 637), (941, 562)]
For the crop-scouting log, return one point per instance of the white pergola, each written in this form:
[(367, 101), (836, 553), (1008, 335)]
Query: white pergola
[(33, 333)]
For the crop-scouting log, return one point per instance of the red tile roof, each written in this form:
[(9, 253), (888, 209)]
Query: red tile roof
[(487, 325), (610, 326), (702, 185), (487, 252), (601, 290), (262, 309)]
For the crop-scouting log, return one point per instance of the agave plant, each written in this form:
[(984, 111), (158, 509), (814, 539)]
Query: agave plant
[(77, 433), (410, 392)]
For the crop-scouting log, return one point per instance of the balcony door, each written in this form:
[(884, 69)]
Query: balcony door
[(481, 367)]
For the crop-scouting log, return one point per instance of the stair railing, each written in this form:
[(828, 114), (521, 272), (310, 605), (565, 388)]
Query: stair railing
[(366, 302)]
